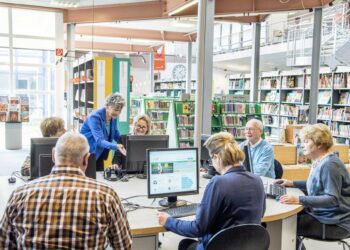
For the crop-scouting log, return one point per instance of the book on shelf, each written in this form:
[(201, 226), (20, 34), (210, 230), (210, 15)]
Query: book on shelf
[(290, 110), (14, 116), (82, 95), (324, 97), (324, 113), (3, 116), (289, 82), (4, 102), (339, 80), (271, 96), (303, 114), (325, 81), (344, 98), (342, 114), (269, 108)]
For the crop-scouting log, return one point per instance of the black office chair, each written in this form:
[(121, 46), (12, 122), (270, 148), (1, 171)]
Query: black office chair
[(241, 237), (278, 169)]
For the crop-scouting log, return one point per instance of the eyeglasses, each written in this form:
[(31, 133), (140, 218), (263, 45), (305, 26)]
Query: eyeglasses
[(249, 129), (141, 127)]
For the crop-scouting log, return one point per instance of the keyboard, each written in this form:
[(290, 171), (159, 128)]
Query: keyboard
[(181, 211), (275, 191)]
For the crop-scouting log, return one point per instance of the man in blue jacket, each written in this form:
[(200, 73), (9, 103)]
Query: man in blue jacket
[(100, 129)]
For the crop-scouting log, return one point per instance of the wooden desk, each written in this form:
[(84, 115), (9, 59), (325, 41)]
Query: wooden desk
[(299, 172), (280, 218)]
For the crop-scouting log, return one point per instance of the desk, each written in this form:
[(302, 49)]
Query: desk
[(299, 172), (280, 218)]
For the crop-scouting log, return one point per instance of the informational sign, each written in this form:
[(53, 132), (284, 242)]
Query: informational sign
[(59, 52), (159, 58)]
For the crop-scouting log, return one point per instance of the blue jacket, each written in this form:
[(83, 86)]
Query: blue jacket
[(328, 188), (94, 129), (235, 198)]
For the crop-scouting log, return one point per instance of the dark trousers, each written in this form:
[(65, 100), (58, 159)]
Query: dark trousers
[(188, 244), (100, 165), (310, 227)]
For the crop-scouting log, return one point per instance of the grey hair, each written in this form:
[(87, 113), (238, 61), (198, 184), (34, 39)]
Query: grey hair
[(70, 149), (258, 123), (115, 100)]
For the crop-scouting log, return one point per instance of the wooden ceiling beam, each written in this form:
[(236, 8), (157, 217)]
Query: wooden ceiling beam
[(82, 45), (242, 19), (116, 12), (133, 33)]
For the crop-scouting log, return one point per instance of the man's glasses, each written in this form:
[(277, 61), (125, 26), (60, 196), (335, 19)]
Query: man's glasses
[(249, 129)]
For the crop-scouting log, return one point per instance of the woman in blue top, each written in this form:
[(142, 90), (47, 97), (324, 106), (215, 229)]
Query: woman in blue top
[(100, 129), (233, 198), (327, 203)]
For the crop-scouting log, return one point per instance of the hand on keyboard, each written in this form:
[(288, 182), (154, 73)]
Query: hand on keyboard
[(275, 191), (289, 199)]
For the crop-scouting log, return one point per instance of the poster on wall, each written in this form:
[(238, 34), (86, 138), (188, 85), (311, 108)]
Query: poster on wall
[(159, 58), (14, 108)]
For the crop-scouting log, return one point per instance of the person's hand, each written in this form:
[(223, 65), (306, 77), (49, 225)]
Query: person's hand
[(289, 199), (121, 149), (284, 182), (114, 166), (162, 217)]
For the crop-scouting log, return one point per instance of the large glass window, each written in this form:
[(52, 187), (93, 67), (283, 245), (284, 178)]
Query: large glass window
[(4, 20), (4, 55), (33, 23), (5, 78)]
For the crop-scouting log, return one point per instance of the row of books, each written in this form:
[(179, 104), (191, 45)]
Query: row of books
[(290, 110), (239, 84), (267, 108), (157, 104), (284, 121), (185, 134), (157, 115), (270, 120), (325, 81), (291, 82), (14, 108), (236, 132), (81, 76), (341, 114), (170, 85), (158, 125), (341, 130), (232, 120), (269, 83), (185, 120), (324, 113), (233, 107), (271, 96), (294, 96), (324, 97)]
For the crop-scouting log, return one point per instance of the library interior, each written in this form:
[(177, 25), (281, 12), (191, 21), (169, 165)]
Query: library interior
[(128, 124)]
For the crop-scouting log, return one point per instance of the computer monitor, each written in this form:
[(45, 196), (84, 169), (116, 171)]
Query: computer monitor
[(46, 164), (206, 160), (172, 172), (39, 146), (136, 146)]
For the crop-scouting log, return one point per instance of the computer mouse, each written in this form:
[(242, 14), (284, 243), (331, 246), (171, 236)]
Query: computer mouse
[(12, 179)]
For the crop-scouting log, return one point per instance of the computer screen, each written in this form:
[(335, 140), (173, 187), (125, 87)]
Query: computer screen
[(46, 164), (39, 146), (136, 146), (172, 172), (206, 160), (204, 151)]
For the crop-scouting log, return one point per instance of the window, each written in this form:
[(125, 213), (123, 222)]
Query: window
[(5, 78), (4, 24)]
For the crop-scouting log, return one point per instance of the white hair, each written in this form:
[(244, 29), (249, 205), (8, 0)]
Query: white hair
[(115, 100), (258, 123), (70, 149)]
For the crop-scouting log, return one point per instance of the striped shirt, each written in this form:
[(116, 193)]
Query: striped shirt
[(64, 210)]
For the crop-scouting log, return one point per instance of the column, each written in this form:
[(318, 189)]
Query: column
[(254, 68), (151, 70), (70, 56), (59, 73), (189, 68)]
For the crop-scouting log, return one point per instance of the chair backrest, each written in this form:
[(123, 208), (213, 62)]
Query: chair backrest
[(241, 237), (278, 169)]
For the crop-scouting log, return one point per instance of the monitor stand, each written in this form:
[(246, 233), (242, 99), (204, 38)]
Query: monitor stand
[(170, 201), (143, 175)]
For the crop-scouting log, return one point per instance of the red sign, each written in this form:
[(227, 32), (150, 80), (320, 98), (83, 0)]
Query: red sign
[(159, 58), (59, 52)]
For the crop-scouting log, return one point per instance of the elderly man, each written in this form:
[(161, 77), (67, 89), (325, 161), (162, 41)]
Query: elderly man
[(66, 209), (261, 153)]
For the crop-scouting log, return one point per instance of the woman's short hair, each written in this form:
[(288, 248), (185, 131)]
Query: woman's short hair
[(319, 133), (146, 119), (115, 100), (51, 126), (224, 145)]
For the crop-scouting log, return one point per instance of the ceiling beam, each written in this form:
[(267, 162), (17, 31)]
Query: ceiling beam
[(242, 19), (116, 12), (224, 7), (82, 45), (134, 33)]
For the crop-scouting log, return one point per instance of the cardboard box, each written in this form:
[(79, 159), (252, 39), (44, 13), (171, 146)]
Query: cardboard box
[(290, 132), (285, 153)]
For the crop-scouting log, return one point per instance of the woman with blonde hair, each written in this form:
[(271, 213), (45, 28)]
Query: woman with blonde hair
[(232, 198), (327, 202), (142, 125)]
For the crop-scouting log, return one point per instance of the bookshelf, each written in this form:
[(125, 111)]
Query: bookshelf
[(239, 84), (157, 108), (173, 88), (136, 108), (83, 90)]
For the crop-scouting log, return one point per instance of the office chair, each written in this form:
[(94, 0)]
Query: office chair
[(278, 169), (339, 241), (241, 237)]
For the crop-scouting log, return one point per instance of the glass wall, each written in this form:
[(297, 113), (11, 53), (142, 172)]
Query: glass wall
[(27, 62)]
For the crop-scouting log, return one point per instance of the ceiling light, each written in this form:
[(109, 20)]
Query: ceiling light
[(183, 7)]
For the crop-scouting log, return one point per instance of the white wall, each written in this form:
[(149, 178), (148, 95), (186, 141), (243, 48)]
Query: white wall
[(220, 81)]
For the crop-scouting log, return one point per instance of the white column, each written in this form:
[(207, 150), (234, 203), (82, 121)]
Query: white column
[(69, 72), (189, 68), (59, 72)]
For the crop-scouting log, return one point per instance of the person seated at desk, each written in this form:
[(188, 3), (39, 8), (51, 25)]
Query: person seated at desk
[(232, 198), (142, 126), (100, 129), (261, 152), (66, 209), (50, 127), (327, 203)]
